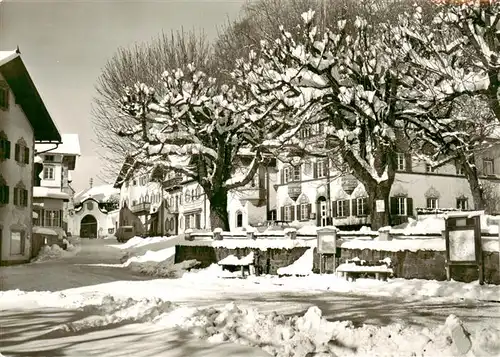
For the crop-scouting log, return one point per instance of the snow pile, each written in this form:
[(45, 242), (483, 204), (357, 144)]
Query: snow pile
[(233, 260), (312, 335), (164, 269), (259, 243), (302, 266), (112, 311), (154, 256), (56, 252), (435, 224)]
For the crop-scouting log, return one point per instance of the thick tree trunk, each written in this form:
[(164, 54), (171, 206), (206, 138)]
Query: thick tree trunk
[(219, 217), (379, 191), (475, 187)]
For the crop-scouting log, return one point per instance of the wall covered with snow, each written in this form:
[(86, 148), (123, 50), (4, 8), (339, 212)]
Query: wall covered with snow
[(421, 264)]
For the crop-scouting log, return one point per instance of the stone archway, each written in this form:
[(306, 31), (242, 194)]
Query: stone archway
[(88, 227)]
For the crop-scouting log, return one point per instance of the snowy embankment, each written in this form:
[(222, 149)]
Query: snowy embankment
[(153, 256), (56, 252), (284, 336)]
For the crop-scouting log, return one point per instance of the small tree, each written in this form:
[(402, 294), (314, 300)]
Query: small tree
[(197, 127)]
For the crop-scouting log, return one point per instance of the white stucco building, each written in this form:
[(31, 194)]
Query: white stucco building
[(24, 120)]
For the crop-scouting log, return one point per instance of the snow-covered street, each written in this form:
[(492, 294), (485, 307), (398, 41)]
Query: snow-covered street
[(82, 308)]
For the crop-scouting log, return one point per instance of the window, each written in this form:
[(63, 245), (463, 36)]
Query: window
[(17, 242), (49, 158), (22, 152), (432, 203), (459, 169), (488, 168), (4, 147), (20, 196), (288, 214), (462, 203), (320, 169), (430, 169), (343, 208), (401, 206), (49, 173), (401, 161), (296, 173), (239, 219), (304, 133), (134, 183), (361, 208), (4, 192), (52, 218), (4, 96), (321, 128), (188, 196), (304, 212), (286, 175)]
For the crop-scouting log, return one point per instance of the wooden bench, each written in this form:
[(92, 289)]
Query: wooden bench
[(353, 269), (245, 264)]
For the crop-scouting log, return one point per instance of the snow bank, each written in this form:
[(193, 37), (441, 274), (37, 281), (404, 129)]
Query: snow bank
[(154, 256), (112, 311), (56, 252), (302, 266), (259, 243), (435, 224), (312, 335)]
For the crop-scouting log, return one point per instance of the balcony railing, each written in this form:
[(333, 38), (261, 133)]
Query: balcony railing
[(143, 207), (172, 182)]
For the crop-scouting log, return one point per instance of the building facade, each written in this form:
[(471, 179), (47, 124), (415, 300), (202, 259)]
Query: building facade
[(179, 203), (313, 193), (24, 120), (52, 193)]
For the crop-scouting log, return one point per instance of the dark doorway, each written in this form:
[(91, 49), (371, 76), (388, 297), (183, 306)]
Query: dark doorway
[(88, 227)]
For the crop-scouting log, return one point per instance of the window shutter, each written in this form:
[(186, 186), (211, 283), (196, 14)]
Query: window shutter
[(315, 170), (26, 155), (25, 197), (15, 196), (198, 221), (60, 218), (334, 208), (7, 149), (17, 152), (299, 212), (292, 213), (308, 211), (354, 207), (282, 213), (394, 205), (409, 206), (282, 175), (408, 162), (367, 206)]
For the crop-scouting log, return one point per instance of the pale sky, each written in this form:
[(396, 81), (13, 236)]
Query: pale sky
[(64, 45)]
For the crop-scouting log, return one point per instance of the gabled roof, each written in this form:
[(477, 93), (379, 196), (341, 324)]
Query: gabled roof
[(15, 73)]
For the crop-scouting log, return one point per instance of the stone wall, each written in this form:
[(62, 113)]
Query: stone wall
[(428, 265)]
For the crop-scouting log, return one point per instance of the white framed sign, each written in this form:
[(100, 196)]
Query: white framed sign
[(380, 205), (462, 245), (327, 241)]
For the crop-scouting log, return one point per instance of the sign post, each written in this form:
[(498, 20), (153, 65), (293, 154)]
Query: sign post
[(327, 245), (463, 242)]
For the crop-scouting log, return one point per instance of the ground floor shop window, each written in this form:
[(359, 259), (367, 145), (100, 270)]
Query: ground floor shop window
[(16, 242)]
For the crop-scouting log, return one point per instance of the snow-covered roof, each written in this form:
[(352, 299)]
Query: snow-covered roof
[(44, 230), (47, 192), (70, 146), (99, 193), (7, 56)]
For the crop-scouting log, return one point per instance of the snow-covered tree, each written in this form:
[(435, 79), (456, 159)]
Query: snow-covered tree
[(197, 127), (138, 63), (349, 80), (449, 76)]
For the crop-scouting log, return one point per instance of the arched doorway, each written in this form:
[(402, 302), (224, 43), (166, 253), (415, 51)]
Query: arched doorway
[(88, 227)]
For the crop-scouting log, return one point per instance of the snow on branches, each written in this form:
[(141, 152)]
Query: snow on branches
[(344, 77), (194, 126)]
